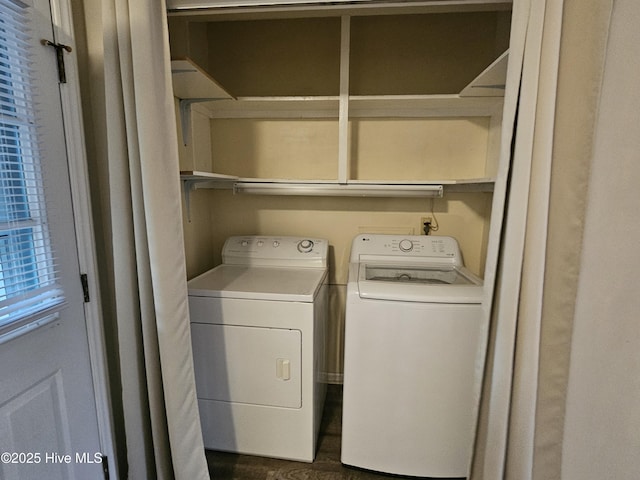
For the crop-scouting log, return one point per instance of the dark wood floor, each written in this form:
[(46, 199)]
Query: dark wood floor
[(224, 466)]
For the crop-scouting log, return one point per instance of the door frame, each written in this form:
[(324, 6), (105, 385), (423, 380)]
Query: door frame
[(62, 20)]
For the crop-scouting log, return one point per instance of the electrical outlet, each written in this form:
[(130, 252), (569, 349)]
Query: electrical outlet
[(424, 220)]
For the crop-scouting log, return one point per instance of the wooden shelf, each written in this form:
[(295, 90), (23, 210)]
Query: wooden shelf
[(261, 9), (190, 81), (191, 175), (422, 106), (192, 180), (458, 185), (359, 106), (199, 180), (491, 82), (274, 107), (483, 97)]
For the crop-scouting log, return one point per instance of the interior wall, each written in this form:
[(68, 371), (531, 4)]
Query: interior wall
[(276, 57), (418, 148), (259, 58), (381, 149), (276, 148), (305, 149), (385, 48), (195, 155), (189, 40), (339, 220), (198, 233)]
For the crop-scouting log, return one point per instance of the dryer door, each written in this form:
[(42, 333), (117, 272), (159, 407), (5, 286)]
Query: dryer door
[(251, 365)]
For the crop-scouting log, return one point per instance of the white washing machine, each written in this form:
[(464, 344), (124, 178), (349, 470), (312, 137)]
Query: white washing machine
[(413, 356), (258, 325)]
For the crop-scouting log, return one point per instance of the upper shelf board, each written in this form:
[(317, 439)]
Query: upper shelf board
[(491, 82), (274, 107), (481, 97), (190, 81), (210, 9), (422, 106), (400, 106), (191, 175), (332, 187), (200, 4)]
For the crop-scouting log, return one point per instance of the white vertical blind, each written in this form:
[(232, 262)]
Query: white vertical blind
[(27, 268)]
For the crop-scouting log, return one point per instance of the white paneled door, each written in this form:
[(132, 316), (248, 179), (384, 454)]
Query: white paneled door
[(48, 415)]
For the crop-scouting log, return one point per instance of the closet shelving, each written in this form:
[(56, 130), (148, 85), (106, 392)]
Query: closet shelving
[(482, 97)]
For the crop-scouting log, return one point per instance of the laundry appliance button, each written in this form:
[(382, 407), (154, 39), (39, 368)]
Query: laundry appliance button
[(406, 245), (305, 246)]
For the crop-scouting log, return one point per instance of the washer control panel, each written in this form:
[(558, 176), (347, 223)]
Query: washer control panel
[(275, 251), (405, 245), (419, 246), (305, 246)]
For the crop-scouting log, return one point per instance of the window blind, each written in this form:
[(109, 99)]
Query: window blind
[(28, 277)]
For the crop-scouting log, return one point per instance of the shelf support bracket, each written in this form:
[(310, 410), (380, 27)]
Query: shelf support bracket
[(185, 115), (343, 113), (188, 186)]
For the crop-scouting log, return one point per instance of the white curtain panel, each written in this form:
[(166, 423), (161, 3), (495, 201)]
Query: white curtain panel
[(491, 439), (535, 153), (134, 144), (505, 441), (523, 432), (602, 427)]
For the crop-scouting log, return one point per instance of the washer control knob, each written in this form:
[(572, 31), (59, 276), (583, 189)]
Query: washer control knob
[(305, 246), (406, 245), (260, 243), (276, 244), (244, 243)]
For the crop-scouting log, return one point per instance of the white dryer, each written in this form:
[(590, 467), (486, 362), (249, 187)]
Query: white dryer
[(258, 330), (413, 356)]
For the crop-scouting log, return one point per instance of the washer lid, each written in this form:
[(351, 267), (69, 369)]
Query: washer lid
[(442, 283), (259, 283)]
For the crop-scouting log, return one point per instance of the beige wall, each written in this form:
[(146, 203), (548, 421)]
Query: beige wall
[(380, 149), (419, 148), (198, 233), (390, 54), (276, 148), (217, 215), (340, 219)]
